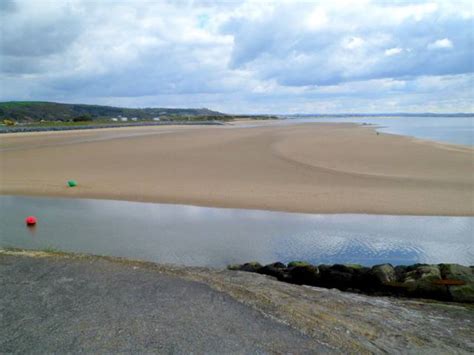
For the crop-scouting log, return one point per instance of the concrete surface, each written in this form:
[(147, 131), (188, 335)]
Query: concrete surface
[(60, 305), (57, 302)]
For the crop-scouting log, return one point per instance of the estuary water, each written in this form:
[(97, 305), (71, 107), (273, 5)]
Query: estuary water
[(216, 237), (454, 130)]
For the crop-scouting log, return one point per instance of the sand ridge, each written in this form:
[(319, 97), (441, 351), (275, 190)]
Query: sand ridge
[(314, 167)]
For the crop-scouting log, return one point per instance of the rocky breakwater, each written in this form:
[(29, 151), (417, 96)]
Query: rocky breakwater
[(445, 282)]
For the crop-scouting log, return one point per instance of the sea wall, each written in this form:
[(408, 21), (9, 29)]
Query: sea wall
[(26, 128), (445, 282)]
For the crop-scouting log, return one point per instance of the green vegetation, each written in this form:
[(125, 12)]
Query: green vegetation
[(8, 122), (51, 250), (31, 111), (298, 263), (68, 124), (82, 118)]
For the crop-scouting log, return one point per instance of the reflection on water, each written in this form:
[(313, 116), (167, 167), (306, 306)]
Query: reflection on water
[(200, 236)]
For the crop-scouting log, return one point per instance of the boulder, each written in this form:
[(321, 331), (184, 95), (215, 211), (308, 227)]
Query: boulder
[(234, 267), (423, 273), (383, 274), (362, 279), (298, 263), (455, 272), (400, 271), (464, 293), (423, 282), (338, 276), (323, 268), (414, 266), (277, 270), (343, 268), (303, 275), (447, 282), (249, 267)]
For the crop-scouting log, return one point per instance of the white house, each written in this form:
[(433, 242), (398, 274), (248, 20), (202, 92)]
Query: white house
[(156, 119), (114, 119), (123, 119), (134, 118)]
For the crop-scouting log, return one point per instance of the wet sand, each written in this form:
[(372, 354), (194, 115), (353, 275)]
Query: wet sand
[(316, 168)]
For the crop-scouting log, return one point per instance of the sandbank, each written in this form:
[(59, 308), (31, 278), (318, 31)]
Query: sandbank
[(314, 168)]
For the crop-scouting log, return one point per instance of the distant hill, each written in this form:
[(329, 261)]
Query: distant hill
[(24, 111)]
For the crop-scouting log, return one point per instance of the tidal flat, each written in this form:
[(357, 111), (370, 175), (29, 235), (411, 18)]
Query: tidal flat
[(313, 168)]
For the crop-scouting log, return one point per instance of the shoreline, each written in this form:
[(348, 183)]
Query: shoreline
[(37, 129), (200, 166), (448, 283), (343, 322), (226, 207), (435, 143), (242, 123)]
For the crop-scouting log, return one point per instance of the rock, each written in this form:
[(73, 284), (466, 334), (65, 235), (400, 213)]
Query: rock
[(279, 265), (323, 268), (362, 279), (421, 282), (423, 273), (461, 293), (338, 276), (342, 268), (400, 271), (383, 274), (446, 282), (355, 266), (277, 270), (303, 275), (340, 280), (414, 267), (233, 267), (298, 263), (249, 267), (457, 272)]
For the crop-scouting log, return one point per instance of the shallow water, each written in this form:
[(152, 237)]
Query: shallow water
[(454, 130), (201, 236)]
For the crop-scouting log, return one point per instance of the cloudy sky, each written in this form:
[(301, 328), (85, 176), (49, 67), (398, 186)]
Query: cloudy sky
[(242, 56)]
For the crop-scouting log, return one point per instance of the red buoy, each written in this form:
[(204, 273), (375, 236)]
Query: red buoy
[(30, 220)]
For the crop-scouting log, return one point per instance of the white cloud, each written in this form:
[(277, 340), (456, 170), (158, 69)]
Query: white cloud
[(417, 11), (444, 43), (353, 43), (393, 51), (238, 56), (317, 19)]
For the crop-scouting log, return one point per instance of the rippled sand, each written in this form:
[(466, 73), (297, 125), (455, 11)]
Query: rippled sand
[(320, 168)]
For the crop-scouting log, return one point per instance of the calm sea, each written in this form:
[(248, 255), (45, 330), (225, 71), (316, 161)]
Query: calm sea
[(202, 236), (454, 130)]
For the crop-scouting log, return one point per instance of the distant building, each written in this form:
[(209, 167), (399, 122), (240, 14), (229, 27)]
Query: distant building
[(156, 119), (134, 118), (114, 119), (123, 119)]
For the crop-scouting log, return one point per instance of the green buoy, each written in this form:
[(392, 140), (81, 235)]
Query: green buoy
[(72, 183)]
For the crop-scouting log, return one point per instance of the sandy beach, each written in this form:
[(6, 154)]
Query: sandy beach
[(316, 168)]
